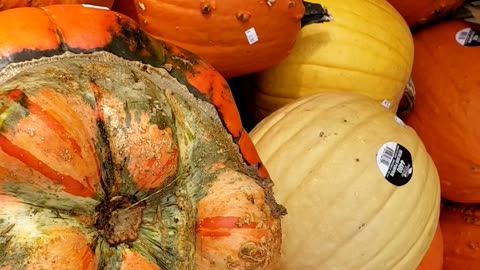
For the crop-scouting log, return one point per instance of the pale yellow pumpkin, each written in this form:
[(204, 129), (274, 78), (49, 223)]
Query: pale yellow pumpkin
[(343, 214), (366, 49)]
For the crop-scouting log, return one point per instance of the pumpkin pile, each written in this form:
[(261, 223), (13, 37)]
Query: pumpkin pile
[(246, 135)]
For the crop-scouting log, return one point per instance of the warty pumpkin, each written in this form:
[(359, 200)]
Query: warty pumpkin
[(461, 236), (433, 259), (447, 95), (8, 4), (236, 37), (119, 152), (360, 188), (366, 49), (420, 12)]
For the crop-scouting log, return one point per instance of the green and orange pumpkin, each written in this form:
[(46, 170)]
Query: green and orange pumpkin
[(119, 152)]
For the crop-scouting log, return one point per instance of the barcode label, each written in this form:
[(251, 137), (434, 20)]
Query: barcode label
[(463, 35), (386, 104), (251, 35), (387, 156), (395, 163)]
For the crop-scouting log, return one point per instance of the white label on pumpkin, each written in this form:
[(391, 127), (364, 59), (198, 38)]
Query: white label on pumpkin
[(95, 6), (400, 121), (395, 163), (251, 36), (386, 104), (468, 37)]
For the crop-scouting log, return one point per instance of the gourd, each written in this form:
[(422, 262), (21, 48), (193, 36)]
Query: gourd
[(326, 154), (447, 83), (366, 49), (236, 37), (121, 152)]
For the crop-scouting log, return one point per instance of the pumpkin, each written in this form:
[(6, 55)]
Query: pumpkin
[(419, 12), (8, 4), (461, 230), (236, 37), (447, 96), (433, 260), (118, 152), (353, 53), (360, 188)]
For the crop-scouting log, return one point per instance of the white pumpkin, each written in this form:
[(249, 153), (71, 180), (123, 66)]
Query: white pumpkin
[(323, 153)]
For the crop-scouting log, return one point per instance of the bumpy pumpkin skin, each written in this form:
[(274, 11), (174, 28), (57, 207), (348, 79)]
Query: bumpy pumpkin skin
[(8, 4), (321, 152), (117, 152), (447, 108), (419, 12), (461, 236), (215, 30), (366, 49), (433, 260)]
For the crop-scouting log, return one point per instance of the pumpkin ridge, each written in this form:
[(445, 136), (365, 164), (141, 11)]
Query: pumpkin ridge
[(323, 65), (347, 133), (383, 43), (433, 211), (71, 185), (395, 15)]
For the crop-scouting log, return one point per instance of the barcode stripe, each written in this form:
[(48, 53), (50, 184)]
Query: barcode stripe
[(387, 156)]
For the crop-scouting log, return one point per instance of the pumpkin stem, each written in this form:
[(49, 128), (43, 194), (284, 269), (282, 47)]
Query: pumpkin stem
[(408, 100), (469, 12), (315, 13)]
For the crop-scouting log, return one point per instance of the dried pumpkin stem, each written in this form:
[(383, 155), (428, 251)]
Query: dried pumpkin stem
[(315, 13)]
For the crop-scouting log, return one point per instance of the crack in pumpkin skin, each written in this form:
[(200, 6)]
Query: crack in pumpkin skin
[(176, 128)]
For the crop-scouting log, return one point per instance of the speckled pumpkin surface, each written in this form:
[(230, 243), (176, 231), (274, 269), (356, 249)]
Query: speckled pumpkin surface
[(117, 152)]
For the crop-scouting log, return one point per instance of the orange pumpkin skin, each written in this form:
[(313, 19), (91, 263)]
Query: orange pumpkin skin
[(8, 4), (119, 152), (420, 12), (461, 236), (433, 259), (215, 30), (447, 96)]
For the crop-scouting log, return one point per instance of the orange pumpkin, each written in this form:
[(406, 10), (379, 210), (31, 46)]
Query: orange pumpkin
[(461, 236), (420, 12), (8, 4), (224, 33), (447, 82), (119, 152), (433, 260)]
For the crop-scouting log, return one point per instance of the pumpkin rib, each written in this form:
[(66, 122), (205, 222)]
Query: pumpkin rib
[(315, 65), (292, 108), (348, 209), (393, 237), (433, 211), (387, 45), (375, 23), (338, 196), (396, 15), (318, 162)]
